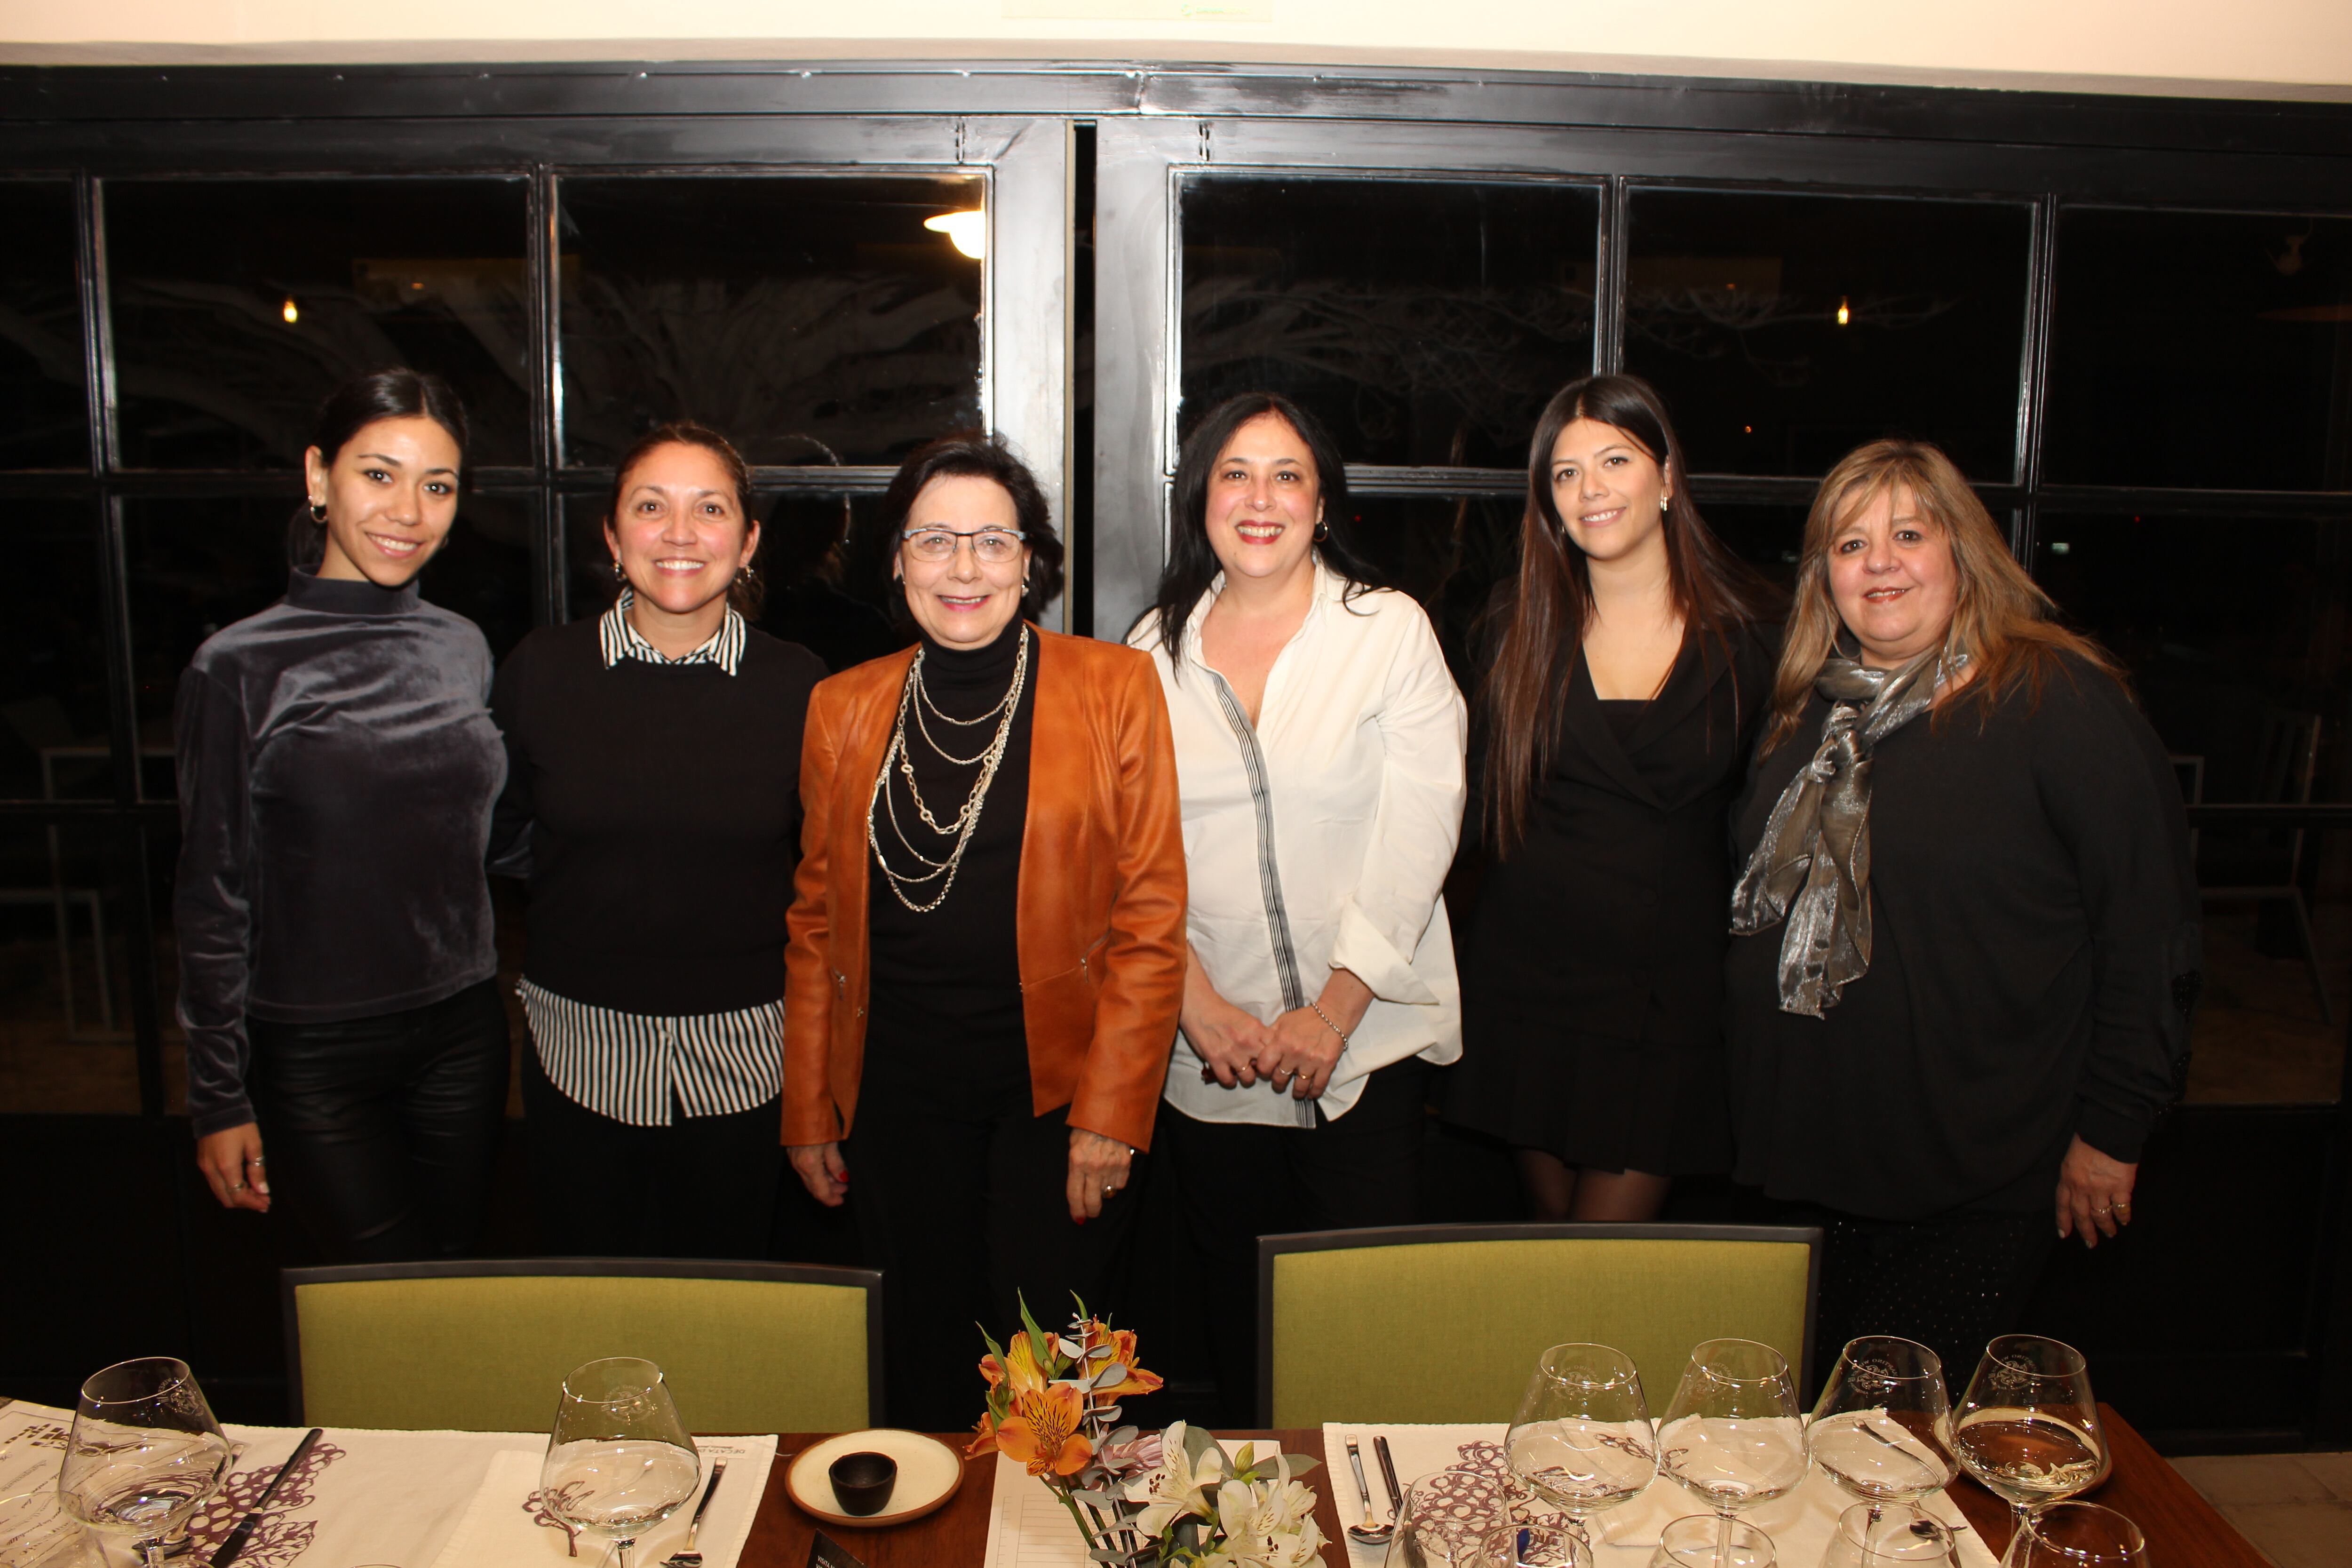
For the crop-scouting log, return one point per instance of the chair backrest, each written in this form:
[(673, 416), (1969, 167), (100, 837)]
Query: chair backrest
[(484, 1346), (1444, 1323)]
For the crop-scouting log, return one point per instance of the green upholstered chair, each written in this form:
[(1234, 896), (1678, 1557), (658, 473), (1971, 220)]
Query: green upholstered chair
[(484, 1346), (1438, 1323)]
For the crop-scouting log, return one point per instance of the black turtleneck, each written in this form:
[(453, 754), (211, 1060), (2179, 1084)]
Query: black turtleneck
[(946, 988)]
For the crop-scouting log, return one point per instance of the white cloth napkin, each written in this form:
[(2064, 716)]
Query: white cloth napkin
[(1800, 1524), (503, 1528)]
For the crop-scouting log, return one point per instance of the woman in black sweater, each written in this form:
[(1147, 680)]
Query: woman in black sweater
[(337, 766), (1968, 923), (1631, 670), (652, 800)]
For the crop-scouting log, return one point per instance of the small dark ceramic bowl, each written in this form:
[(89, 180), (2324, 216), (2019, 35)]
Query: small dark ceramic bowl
[(862, 1481)]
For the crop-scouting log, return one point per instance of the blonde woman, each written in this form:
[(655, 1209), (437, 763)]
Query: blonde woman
[(1966, 935)]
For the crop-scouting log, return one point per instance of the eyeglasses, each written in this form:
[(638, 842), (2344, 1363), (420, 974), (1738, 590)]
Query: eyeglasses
[(994, 546)]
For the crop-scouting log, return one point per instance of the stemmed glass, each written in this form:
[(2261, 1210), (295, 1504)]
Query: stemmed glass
[(1581, 1439), (2076, 1535), (1732, 1436), (618, 1461), (1886, 1535), (1883, 1427), (2028, 1428), (143, 1455)]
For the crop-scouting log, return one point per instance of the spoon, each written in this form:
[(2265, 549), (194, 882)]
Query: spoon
[(1368, 1532)]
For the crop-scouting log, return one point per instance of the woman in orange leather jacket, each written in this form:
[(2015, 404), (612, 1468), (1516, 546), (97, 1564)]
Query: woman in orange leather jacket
[(986, 952)]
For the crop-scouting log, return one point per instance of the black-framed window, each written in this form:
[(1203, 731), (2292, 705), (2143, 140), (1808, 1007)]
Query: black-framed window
[(44, 407)]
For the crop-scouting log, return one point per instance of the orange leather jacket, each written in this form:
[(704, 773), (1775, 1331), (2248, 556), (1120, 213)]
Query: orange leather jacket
[(1100, 907)]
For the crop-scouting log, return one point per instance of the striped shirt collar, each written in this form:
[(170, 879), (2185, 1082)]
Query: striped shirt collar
[(619, 640)]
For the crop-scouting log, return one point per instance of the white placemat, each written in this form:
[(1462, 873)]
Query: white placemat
[(361, 1495), (504, 1527), (1800, 1523)]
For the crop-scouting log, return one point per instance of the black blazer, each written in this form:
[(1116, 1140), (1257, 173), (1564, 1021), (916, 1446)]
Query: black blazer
[(1612, 916)]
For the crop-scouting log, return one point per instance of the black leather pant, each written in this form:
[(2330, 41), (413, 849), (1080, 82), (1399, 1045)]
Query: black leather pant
[(379, 1132)]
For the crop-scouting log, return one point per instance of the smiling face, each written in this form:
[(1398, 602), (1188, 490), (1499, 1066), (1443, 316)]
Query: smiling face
[(1608, 489), (1264, 501), (680, 533), (1893, 579), (390, 495), (963, 601)]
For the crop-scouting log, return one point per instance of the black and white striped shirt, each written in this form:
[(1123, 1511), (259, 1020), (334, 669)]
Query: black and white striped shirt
[(647, 1071), (633, 1066), (619, 640)]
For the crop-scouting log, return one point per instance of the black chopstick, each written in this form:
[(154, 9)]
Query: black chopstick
[(236, 1543)]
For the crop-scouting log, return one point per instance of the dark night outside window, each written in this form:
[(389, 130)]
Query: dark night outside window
[(801, 317), (43, 419), (53, 739), (1733, 305), (239, 304), (1424, 322), (2206, 350)]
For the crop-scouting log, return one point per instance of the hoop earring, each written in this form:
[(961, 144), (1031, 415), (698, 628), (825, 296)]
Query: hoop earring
[(1322, 532), (317, 511), (744, 575), (618, 576)]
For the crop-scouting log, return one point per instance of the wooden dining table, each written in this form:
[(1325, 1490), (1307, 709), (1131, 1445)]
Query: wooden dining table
[(2183, 1530)]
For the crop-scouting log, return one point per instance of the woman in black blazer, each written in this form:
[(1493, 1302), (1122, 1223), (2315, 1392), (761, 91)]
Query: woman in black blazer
[(1633, 658)]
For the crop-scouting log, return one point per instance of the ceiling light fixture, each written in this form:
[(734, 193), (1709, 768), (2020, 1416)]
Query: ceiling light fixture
[(1845, 315), (287, 311), (968, 232)]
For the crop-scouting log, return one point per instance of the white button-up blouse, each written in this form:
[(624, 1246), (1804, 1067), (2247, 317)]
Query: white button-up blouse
[(1320, 839)]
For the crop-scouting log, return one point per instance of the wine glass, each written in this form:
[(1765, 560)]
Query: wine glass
[(1883, 1427), (1886, 1534), (1445, 1518), (618, 1461), (143, 1455), (1732, 1436), (1581, 1439), (2028, 1428), (35, 1531), (1701, 1541), (2076, 1535)]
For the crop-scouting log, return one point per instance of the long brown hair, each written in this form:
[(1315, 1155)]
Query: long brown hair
[(748, 592), (1545, 614), (2001, 619)]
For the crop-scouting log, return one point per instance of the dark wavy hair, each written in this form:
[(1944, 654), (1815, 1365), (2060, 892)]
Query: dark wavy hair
[(1543, 615), (1192, 562), (748, 591), (962, 454), (397, 393)]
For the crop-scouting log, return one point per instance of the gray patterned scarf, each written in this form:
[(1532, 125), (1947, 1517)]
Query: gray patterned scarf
[(1812, 868)]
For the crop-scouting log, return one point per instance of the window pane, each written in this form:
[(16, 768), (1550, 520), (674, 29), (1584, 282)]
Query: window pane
[(799, 316), (2231, 631), (1447, 552), (1767, 538), (240, 305), (1785, 331), (65, 1003), (53, 742), (44, 421), (1423, 322), (2162, 319), (198, 565)]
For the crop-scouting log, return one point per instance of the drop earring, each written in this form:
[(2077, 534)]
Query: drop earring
[(618, 576), (317, 511), (1666, 503)]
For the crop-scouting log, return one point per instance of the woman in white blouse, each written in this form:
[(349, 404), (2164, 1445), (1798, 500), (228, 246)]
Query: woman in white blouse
[(1319, 746)]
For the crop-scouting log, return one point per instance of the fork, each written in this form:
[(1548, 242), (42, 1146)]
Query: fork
[(687, 1556)]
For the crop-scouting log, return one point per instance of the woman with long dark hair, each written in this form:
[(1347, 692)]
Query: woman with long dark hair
[(987, 944), (654, 780), (1319, 747), (1968, 925), (1631, 665), (337, 768)]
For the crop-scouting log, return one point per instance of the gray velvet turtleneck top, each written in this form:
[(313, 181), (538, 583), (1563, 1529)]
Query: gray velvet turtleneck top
[(337, 768)]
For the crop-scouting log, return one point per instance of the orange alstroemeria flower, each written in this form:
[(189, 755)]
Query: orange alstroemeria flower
[(1043, 1431), (983, 1435), (1122, 1347), (1022, 1371)]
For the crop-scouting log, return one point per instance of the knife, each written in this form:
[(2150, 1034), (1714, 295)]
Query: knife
[(237, 1538)]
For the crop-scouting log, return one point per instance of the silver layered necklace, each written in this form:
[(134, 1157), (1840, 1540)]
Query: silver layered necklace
[(914, 698)]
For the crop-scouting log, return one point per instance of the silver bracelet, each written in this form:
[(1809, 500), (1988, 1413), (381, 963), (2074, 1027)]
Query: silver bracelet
[(1327, 1022)]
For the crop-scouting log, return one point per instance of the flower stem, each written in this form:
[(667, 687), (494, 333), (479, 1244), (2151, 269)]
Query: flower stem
[(1079, 1514)]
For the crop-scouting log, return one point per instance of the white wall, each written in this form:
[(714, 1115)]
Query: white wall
[(2252, 48)]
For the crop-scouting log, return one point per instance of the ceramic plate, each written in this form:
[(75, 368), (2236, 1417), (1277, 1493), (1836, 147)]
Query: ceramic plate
[(928, 1473)]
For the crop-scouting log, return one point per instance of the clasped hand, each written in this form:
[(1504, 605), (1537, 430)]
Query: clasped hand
[(1297, 1052)]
